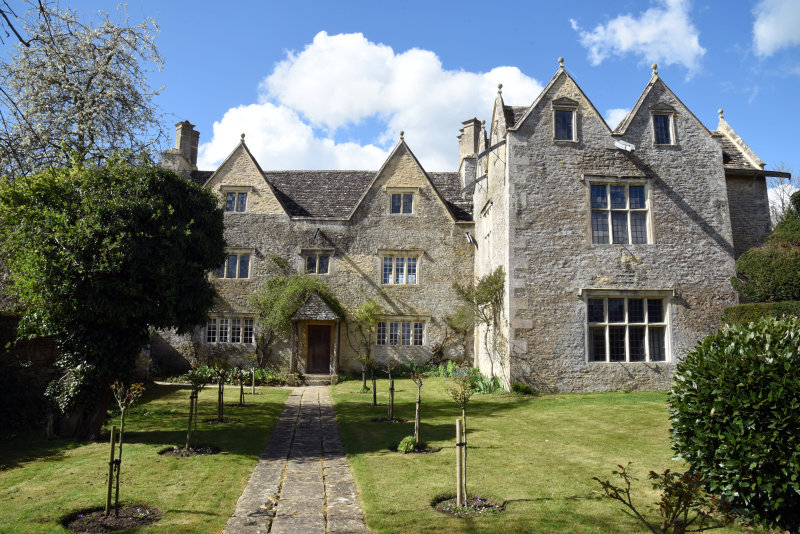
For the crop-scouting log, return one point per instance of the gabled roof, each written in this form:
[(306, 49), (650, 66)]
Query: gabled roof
[(622, 127), (315, 309), (735, 152), (402, 145), (561, 72)]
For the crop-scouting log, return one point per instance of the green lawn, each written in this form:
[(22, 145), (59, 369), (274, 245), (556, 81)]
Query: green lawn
[(42, 481), (536, 454)]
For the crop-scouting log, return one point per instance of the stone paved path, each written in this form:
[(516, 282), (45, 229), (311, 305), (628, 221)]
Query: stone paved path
[(302, 482)]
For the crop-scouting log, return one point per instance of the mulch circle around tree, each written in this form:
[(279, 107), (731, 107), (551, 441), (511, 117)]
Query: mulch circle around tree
[(95, 520), (180, 452), (387, 420), (225, 420), (473, 507)]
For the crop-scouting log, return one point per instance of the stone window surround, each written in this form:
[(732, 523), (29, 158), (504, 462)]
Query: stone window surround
[(391, 190), (217, 318), (670, 112), (598, 179), (413, 320), (664, 294), (404, 253), (566, 104), (249, 252), (224, 189), (307, 252)]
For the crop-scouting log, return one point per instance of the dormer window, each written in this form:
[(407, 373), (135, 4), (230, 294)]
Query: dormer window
[(662, 128), (564, 119), (402, 203)]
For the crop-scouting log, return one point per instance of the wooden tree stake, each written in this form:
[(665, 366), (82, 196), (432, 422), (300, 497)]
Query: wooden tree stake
[(459, 484), (111, 469)]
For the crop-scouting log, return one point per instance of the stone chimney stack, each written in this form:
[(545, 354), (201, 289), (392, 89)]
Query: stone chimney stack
[(183, 158), (469, 139), (186, 140)]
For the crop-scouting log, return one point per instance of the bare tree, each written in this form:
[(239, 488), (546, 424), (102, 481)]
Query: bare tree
[(779, 191), (75, 92)]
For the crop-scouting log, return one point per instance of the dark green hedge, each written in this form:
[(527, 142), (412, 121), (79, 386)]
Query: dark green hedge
[(747, 313), (735, 415)]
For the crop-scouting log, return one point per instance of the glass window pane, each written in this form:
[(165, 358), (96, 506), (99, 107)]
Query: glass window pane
[(655, 311), (412, 270), (232, 266), (407, 200), (616, 310), (600, 227), (323, 264), (394, 335), (381, 332), (599, 196), (597, 344), (223, 330), (311, 264), (661, 127), (406, 334), (387, 269), (638, 227), (396, 202), (247, 332), (236, 331), (619, 200), (636, 343), (594, 311), (419, 329), (619, 226), (230, 201), (616, 343), (241, 201), (211, 331), (636, 193), (399, 271), (244, 266), (658, 349), (564, 125), (220, 271), (635, 310)]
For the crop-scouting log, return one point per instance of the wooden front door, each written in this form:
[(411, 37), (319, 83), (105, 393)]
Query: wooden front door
[(319, 344)]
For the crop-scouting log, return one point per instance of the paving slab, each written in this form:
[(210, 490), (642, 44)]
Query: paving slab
[(302, 483)]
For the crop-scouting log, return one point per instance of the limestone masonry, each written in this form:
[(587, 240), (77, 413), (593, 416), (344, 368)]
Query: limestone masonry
[(617, 246)]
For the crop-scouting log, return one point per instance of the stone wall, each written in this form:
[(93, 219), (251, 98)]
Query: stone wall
[(749, 211), (553, 261)]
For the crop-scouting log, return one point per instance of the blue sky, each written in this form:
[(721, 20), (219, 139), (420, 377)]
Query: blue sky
[(331, 84)]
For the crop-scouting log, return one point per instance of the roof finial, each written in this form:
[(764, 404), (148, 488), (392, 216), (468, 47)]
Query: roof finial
[(721, 113), (654, 66), (242, 138), (561, 63), (402, 133), (499, 88)]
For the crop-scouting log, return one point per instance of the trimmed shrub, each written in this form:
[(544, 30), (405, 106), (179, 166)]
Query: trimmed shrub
[(747, 313), (735, 414), (768, 274), (408, 444)]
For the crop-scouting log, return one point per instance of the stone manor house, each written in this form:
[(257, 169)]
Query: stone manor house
[(617, 245)]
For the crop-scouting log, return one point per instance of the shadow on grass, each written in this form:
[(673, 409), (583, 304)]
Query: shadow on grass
[(30, 446)]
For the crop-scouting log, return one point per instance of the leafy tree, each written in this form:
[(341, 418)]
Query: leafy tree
[(771, 273), (78, 94), (461, 392), (279, 298), (371, 365), (361, 331), (96, 257), (417, 377), (221, 372), (198, 380), (484, 302)]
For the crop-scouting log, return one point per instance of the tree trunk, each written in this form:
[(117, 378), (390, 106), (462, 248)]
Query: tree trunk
[(374, 389), (391, 397), (220, 399), (416, 416), (464, 418), (84, 424), (363, 378), (191, 414), (241, 392), (119, 460)]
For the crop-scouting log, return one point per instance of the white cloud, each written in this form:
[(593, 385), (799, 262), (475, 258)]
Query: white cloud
[(776, 26), (340, 81), (614, 116), (663, 34)]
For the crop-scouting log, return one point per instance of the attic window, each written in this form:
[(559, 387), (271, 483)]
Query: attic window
[(662, 128), (402, 202), (235, 197), (565, 119)]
